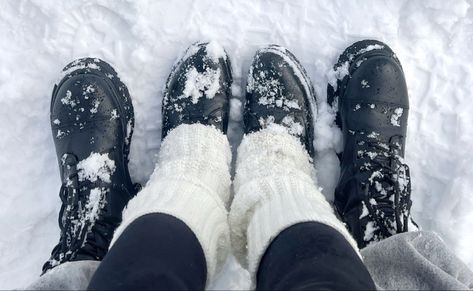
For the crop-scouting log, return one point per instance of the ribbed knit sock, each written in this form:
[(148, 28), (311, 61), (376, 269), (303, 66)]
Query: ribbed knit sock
[(192, 183), (275, 188)]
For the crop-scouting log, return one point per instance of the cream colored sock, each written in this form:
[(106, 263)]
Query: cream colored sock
[(192, 183), (275, 188)]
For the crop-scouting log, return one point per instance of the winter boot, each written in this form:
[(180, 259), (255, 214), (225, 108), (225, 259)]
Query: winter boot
[(280, 92), (369, 91), (198, 89), (191, 180), (275, 184), (92, 122)]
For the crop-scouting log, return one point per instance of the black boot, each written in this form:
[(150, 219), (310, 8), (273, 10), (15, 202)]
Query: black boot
[(279, 91), (92, 123), (370, 93), (198, 89)]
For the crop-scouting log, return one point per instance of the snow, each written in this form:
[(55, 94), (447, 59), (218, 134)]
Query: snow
[(375, 174), (266, 121), (142, 39), (297, 71), (60, 133), (95, 109), (369, 231), (372, 155), (338, 74), (236, 108), (96, 167), (294, 127), (215, 51), (89, 89), (200, 84), (67, 100), (395, 116), (94, 204), (369, 48), (77, 66), (364, 211), (114, 114), (292, 104), (373, 134)]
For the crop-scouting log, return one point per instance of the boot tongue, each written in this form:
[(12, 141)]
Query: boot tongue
[(85, 187)]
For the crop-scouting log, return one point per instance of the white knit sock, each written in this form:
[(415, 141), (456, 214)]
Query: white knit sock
[(274, 189), (192, 183)]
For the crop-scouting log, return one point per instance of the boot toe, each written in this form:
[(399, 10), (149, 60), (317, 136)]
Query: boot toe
[(86, 116), (198, 88), (378, 79), (279, 92)]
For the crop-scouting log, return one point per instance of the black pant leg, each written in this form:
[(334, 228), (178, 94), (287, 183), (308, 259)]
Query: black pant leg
[(156, 251), (311, 256)]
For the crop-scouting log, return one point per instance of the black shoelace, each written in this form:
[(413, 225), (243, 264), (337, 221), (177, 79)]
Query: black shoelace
[(78, 232), (386, 184)]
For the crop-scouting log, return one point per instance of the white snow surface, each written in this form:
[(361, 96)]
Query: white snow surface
[(142, 40), (215, 51)]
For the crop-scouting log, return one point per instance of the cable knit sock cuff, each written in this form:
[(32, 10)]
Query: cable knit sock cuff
[(274, 189), (192, 183)]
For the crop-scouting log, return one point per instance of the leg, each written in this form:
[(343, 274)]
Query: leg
[(155, 251), (312, 256), (92, 123), (275, 188), (174, 233)]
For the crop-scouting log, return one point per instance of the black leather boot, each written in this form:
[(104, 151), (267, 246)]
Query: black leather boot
[(370, 92), (92, 123)]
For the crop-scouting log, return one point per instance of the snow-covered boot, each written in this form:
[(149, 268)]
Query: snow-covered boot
[(198, 89), (275, 185), (191, 181), (369, 90), (92, 122), (279, 92)]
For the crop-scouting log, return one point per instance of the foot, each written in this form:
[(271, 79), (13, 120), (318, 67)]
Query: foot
[(198, 89), (369, 90), (279, 92), (92, 123)]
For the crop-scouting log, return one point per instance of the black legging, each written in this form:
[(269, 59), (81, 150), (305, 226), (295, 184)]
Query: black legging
[(312, 256), (156, 251), (159, 251)]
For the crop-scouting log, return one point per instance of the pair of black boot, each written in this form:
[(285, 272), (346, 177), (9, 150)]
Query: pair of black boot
[(92, 122)]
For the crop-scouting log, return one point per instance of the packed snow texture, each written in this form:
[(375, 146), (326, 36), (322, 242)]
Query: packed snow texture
[(96, 167), (200, 84), (142, 40)]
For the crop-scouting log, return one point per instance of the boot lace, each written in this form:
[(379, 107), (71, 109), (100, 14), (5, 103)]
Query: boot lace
[(84, 232), (385, 181)]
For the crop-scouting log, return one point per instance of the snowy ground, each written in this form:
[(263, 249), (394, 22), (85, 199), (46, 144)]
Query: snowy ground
[(142, 40)]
